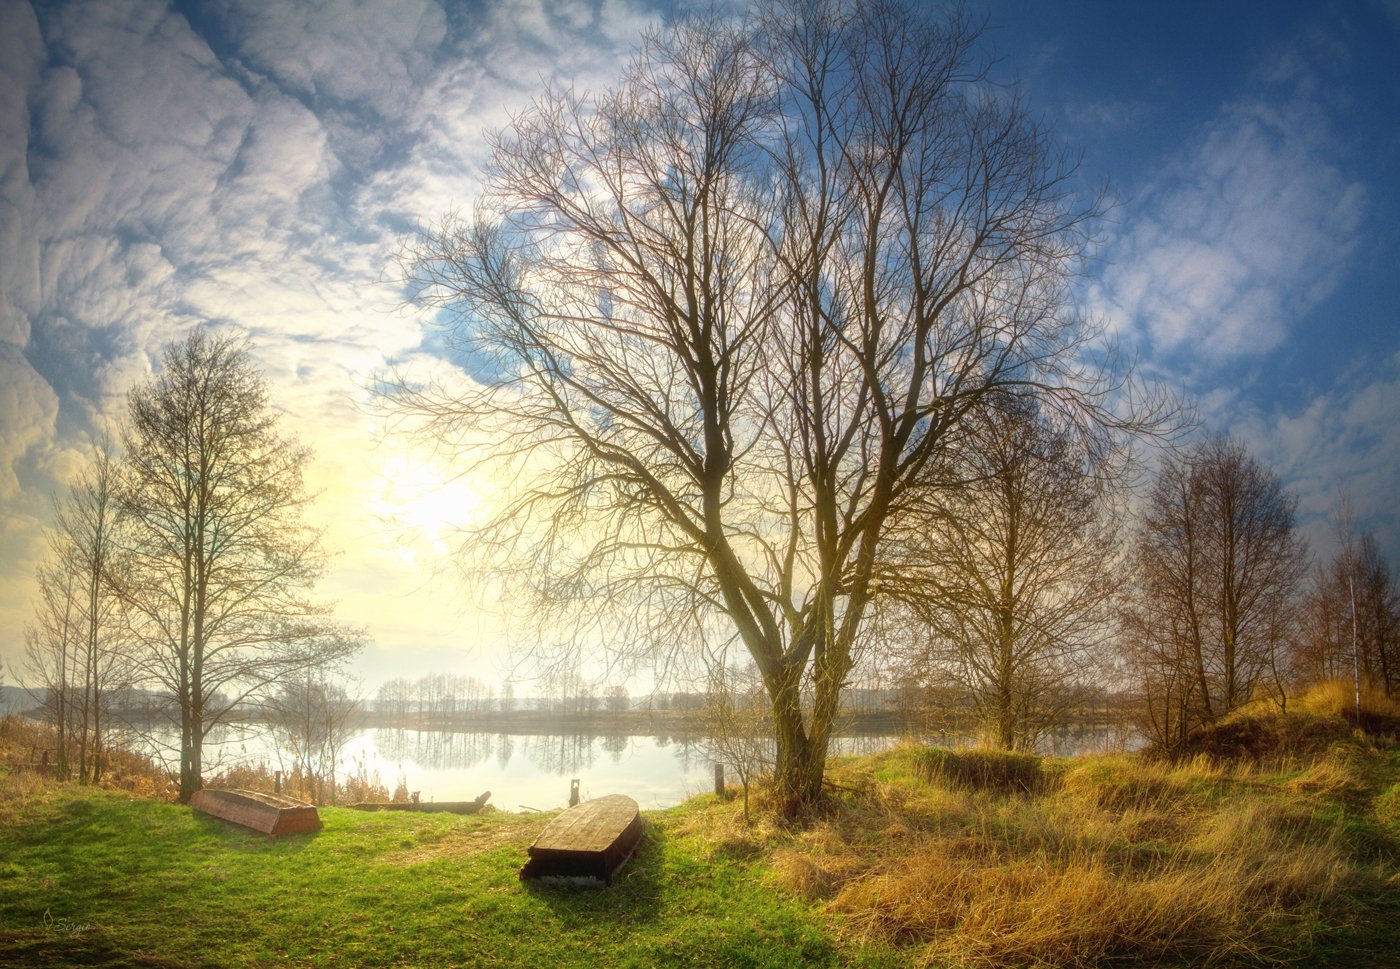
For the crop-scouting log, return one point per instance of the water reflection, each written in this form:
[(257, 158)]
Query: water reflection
[(534, 770)]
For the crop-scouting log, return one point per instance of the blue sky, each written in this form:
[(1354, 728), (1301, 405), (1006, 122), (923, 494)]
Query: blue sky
[(254, 164)]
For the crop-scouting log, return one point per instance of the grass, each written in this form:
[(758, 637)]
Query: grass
[(98, 877), (920, 858)]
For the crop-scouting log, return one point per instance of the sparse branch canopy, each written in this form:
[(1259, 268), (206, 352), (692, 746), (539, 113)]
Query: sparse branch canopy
[(77, 651), (724, 316), (1012, 574), (220, 560), (1215, 571)]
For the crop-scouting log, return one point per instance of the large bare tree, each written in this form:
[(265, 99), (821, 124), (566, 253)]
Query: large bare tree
[(723, 316), (1215, 573), (1010, 574), (220, 559)]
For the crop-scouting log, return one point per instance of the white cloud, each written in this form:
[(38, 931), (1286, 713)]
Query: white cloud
[(1249, 229), (373, 53), (1344, 441), (28, 409)]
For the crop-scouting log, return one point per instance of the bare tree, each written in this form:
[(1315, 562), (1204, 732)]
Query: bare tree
[(617, 699), (220, 561), (77, 651), (725, 316), (392, 700), (1215, 572), (312, 717), (1011, 576), (1350, 616), (51, 642), (735, 724)]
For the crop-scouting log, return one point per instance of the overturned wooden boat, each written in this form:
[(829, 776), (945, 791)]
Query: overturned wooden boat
[(273, 814), (452, 807), (590, 841)]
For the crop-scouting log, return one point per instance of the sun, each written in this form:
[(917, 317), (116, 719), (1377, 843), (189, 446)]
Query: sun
[(423, 504)]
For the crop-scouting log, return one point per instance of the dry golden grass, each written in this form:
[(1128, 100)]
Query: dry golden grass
[(21, 739), (1117, 857), (1000, 771), (16, 790), (1337, 698), (1387, 806)]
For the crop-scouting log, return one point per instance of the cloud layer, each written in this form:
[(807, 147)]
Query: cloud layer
[(253, 163), (252, 167)]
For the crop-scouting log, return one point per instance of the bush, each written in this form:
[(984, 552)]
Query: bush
[(997, 771), (1255, 735)]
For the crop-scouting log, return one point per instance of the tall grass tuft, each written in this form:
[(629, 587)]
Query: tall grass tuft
[(1380, 714)]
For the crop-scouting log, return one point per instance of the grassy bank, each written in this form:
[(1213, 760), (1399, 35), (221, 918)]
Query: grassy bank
[(922, 858)]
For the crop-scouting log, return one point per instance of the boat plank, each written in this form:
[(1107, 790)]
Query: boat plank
[(427, 807)]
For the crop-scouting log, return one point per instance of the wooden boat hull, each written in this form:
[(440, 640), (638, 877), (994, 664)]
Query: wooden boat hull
[(273, 814), (428, 807), (590, 841)]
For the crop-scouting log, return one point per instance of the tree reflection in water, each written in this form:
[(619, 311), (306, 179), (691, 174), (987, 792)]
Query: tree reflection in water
[(436, 749), (533, 769), (557, 754)]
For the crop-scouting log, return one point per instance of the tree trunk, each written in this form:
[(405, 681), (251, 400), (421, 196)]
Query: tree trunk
[(798, 777), (191, 742)]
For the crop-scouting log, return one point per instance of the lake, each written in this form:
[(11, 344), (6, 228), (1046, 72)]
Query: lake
[(532, 771)]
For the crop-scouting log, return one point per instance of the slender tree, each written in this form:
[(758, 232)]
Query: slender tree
[(1216, 570), (220, 560), (77, 648), (312, 717), (1011, 576), (734, 722), (51, 643), (727, 313), (1351, 616)]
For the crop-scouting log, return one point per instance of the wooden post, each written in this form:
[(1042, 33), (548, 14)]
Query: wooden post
[(277, 782), (573, 792), (719, 779)]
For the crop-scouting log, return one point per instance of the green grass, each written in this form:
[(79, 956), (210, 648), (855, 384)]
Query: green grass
[(95, 878)]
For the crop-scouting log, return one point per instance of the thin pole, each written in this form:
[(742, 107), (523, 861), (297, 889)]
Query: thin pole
[(1355, 651)]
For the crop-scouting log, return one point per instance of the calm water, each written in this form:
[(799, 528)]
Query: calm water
[(533, 771)]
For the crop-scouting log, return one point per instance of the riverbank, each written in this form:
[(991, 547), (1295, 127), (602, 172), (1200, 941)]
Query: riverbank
[(956, 859)]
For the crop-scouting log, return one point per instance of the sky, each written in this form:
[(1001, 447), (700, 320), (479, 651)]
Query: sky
[(257, 165)]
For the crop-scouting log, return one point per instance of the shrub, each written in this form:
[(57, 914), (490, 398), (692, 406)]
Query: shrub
[(997, 771), (1256, 735)]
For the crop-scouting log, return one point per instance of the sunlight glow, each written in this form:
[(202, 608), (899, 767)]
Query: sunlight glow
[(423, 505)]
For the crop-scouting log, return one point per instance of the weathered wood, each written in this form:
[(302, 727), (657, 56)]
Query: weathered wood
[(428, 807), (273, 814), (591, 841)]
